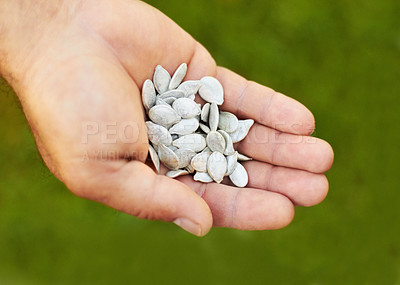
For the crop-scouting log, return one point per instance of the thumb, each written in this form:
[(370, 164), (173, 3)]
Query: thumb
[(133, 188)]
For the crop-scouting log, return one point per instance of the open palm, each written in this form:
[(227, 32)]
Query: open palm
[(83, 83)]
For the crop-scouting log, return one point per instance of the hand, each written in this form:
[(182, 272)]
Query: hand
[(78, 69)]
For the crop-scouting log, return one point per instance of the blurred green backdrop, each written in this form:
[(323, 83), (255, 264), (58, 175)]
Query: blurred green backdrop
[(342, 60)]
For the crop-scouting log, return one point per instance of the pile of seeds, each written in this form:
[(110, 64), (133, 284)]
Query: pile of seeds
[(187, 137)]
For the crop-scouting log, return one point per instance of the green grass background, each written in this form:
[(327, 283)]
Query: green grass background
[(341, 59)]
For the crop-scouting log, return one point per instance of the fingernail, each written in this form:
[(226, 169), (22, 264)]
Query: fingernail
[(188, 226)]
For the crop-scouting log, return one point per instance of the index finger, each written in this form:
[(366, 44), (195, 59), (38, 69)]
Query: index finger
[(249, 99)]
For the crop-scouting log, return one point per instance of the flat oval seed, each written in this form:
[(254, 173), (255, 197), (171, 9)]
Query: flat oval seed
[(211, 90), (176, 173), (199, 161), (229, 150), (148, 95), (205, 112), (242, 157), (158, 134), (190, 87), (242, 130), (185, 127), (232, 162), (172, 93), (215, 141), (239, 176), (161, 79), (168, 157), (154, 158), (186, 108), (163, 115), (204, 128), (185, 156), (217, 166), (213, 118), (202, 177), (195, 142), (178, 76), (228, 122)]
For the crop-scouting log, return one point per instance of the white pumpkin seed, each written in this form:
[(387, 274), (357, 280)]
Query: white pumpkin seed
[(185, 156), (232, 162), (172, 93), (185, 127), (242, 157), (148, 95), (213, 118), (242, 130), (228, 122), (204, 128), (186, 108), (168, 157), (229, 150), (154, 158), (161, 79), (217, 166), (211, 90), (176, 173), (239, 176), (202, 177), (190, 87), (215, 141), (178, 76), (205, 112), (163, 115), (158, 134), (199, 161), (195, 142)]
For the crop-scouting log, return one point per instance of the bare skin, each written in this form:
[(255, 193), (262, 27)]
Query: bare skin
[(73, 62)]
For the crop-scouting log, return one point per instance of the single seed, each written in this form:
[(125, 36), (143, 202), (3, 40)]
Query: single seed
[(195, 142), (161, 79), (217, 166), (185, 127), (199, 161), (232, 162), (172, 93), (204, 128), (186, 108), (213, 118), (154, 158), (176, 173), (229, 150), (184, 156), (168, 157), (242, 130), (211, 90), (239, 176), (205, 112), (202, 177), (164, 115), (158, 134), (148, 95), (178, 76), (215, 141), (242, 157), (228, 122), (190, 87)]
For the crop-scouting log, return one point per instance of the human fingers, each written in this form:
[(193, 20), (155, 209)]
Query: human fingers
[(248, 99), (283, 149), (302, 187), (243, 208)]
